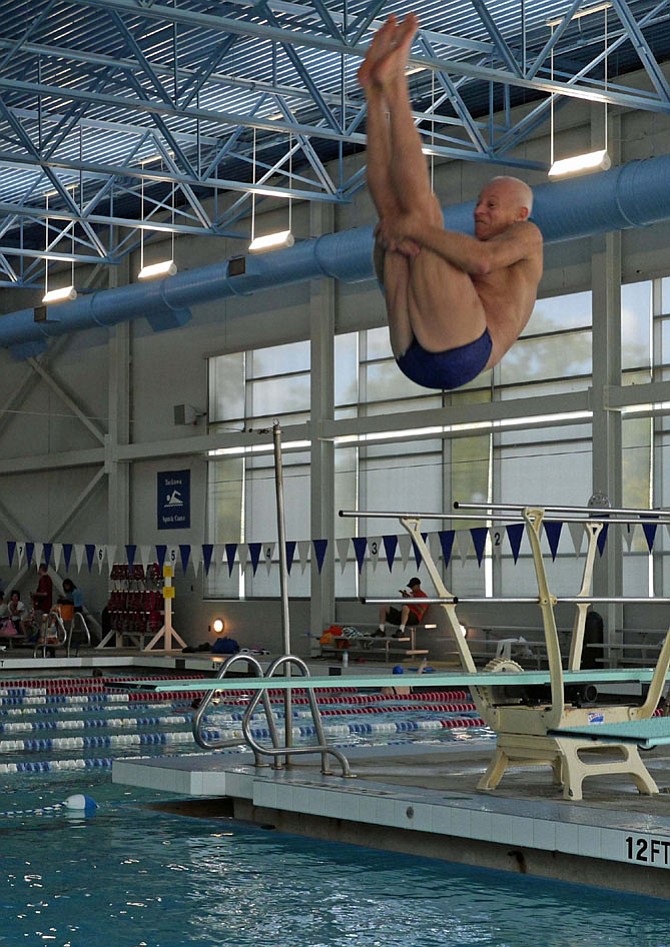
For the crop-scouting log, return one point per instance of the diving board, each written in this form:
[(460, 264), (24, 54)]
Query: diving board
[(455, 679), (646, 734)]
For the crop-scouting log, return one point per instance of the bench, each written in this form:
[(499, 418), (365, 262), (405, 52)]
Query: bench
[(369, 644)]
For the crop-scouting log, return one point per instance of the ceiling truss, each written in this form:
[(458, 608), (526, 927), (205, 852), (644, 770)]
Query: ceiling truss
[(125, 119)]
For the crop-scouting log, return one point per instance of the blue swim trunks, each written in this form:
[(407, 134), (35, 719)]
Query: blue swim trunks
[(446, 370)]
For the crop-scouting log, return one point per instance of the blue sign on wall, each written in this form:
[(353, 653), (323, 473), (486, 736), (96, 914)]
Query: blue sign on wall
[(174, 499)]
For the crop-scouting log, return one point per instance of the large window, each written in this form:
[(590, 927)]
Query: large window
[(474, 445), (248, 392)]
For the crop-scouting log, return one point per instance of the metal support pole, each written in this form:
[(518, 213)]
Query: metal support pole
[(283, 580)]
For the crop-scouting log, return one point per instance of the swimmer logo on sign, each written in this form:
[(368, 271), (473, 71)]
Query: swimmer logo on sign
[(174, 499)]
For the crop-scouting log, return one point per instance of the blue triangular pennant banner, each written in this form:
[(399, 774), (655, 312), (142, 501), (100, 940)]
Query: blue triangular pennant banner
[(11, 550), (231, 549), (67, 555), (30, 552), (161, 553), (390, 546), (290, 553), (649, 530), (90, 554), (320, 549), (602, 539), (553, 532), (47, 549), (207, 553), (515, 535), (360, 545), (131, 551), (446, 543), (185, 555), (254, 554), (479, 534), (418, 558)]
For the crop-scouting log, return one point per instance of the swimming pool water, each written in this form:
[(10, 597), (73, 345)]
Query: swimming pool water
[(135, 876)]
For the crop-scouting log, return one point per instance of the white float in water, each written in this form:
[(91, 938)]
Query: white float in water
[(80, 803)]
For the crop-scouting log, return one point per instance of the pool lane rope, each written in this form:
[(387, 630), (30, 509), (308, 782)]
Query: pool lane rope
[(78, 802)]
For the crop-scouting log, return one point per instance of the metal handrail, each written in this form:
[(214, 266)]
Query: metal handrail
[(279, 748), (52, 620), (78, 619), (200, 734)]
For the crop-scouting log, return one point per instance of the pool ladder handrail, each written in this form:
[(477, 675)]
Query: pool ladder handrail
[(54, 628), (78, 619), (52, 634), (278, 749)]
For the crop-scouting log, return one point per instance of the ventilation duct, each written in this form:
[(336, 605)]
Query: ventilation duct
[(634, 195)]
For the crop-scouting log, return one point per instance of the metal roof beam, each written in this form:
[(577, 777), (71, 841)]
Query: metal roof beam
[(499, 43), (641, 46), (196, 80), (136, 51), (326, 18), (365, 19), (33, 26), (457, 103), (294, 57), (189, 76), (632, 99), (48, 170), (138, 174)]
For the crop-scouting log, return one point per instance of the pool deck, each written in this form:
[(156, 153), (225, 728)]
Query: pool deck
[(423, 799), (418, 798)]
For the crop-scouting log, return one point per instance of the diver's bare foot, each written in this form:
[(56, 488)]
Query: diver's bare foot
[(392, 64), (381, 45)]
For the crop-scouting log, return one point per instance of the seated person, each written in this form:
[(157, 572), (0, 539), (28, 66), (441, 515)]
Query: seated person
[(7, 629), (410, 614), (20, 617)]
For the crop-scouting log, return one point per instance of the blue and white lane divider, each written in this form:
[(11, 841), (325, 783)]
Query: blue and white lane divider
[(180, 737)]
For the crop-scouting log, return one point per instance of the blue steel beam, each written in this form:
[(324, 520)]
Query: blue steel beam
[(194, 83), (641, 46), (294, 57), (138, 54), (311, 41), (457, 103), (500, 46), (49, 172)]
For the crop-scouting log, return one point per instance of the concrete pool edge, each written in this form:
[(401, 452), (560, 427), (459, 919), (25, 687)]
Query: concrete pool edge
[(582, 843)]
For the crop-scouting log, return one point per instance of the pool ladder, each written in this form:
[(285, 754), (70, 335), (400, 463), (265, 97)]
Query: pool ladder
[(57, 635), (281, 744)]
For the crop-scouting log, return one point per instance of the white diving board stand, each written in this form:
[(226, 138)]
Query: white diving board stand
[(530, 733)]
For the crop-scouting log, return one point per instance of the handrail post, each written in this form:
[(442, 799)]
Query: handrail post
[(283, 579)]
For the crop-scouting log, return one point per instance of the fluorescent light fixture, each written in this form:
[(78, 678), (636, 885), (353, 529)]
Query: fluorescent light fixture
[(598, 8), (164, 268), (272, 241), (61, 295), (580, 164), (270, 191), (256, 449)]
